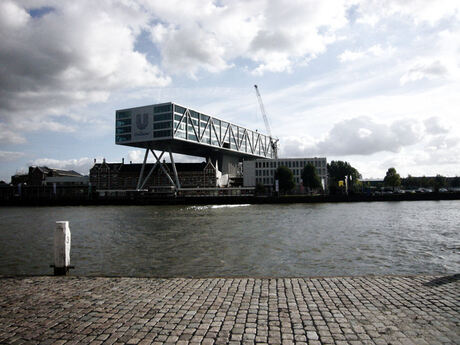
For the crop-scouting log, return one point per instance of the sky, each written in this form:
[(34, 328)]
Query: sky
[(374, 83)]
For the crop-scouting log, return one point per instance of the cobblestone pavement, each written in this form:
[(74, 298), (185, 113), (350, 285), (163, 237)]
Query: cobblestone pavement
[(349, 310)]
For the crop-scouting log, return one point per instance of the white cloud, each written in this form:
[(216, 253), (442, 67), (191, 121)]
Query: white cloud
[(435, 125), (363, 136), (413, 146), (136, 156), (57, 70), (7, 136), (6, 156), (420, 11), (13, 16), (425, 70), (374, 51), (438, 63), (349, 55), (74, 55), (273, 34), (80, 165)]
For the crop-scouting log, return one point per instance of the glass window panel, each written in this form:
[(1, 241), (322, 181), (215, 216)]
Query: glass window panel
[(159, 134), (123, 114), (121, 138), (162, 125), (162, 117), (125, 122), (192, 136), (162, 108), (180, 134), (123, 130), (179, 109), (181, 125)]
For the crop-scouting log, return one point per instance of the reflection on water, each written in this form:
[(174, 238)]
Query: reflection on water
[(238, 240)]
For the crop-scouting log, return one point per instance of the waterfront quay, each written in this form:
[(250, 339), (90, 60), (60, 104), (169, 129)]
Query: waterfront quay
[(331, 310)]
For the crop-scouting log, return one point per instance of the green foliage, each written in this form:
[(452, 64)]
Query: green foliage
[(439, 182), (411, 182), (455, 182), (425, 182), (436, 182), (310, 177), (392, 178), (285, 179), (260, 189), (338, 171)]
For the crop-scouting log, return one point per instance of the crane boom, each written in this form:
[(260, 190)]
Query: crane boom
[(273, 142)]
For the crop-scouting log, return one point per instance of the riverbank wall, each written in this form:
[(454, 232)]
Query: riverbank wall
[(149, 199)]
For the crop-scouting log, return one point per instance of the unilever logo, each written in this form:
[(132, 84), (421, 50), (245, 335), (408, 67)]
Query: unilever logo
[(142, 122)]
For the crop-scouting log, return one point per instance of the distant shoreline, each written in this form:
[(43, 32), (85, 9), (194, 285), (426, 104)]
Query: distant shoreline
[(222, 200)]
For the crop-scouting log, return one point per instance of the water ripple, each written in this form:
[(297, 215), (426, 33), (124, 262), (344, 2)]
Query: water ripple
[(239, 240)]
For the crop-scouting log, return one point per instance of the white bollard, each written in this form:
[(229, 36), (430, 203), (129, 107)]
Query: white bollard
[(62, 248)]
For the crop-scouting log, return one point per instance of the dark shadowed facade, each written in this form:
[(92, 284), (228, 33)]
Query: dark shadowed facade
[(120, 176), (39, 176)]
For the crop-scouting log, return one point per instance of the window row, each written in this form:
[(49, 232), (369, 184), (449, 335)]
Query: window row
[(222, 128), (271, 181), (122, 138), (289, 164), (123, 115), (123, 130), (124, 122), (162, 108), (162, 117)]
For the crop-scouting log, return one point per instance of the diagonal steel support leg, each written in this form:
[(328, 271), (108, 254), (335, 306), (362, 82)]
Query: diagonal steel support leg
[(174, 169), (151, 170), (139, 182), (163, 168)]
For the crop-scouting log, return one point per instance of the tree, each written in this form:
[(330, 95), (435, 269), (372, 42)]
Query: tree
[(455, 182), (285, 179), (425, 182), (310, 177), (411, 182), (260, 188), (339, 171), (439, 182), (392, 178)]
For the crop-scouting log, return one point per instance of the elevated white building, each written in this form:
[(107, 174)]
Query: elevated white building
[(171, 128)]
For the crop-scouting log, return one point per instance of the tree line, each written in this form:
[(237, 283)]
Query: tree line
[(344, 177)]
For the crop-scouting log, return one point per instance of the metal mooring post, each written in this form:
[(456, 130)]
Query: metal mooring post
[(62, 249)]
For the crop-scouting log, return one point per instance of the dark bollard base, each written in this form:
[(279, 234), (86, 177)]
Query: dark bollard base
[(62, 271)]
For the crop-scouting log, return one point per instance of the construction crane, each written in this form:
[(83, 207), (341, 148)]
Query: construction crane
[(273, 141)]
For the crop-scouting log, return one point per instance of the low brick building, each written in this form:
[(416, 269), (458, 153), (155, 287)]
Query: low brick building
[(121, 176), (39, 176)]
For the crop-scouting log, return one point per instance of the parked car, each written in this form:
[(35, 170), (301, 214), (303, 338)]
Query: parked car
[(424, 190)]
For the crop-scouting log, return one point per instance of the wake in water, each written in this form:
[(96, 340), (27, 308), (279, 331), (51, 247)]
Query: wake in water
[(216, 206)]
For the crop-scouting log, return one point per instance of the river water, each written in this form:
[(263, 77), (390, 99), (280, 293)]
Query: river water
[(238, 240)]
